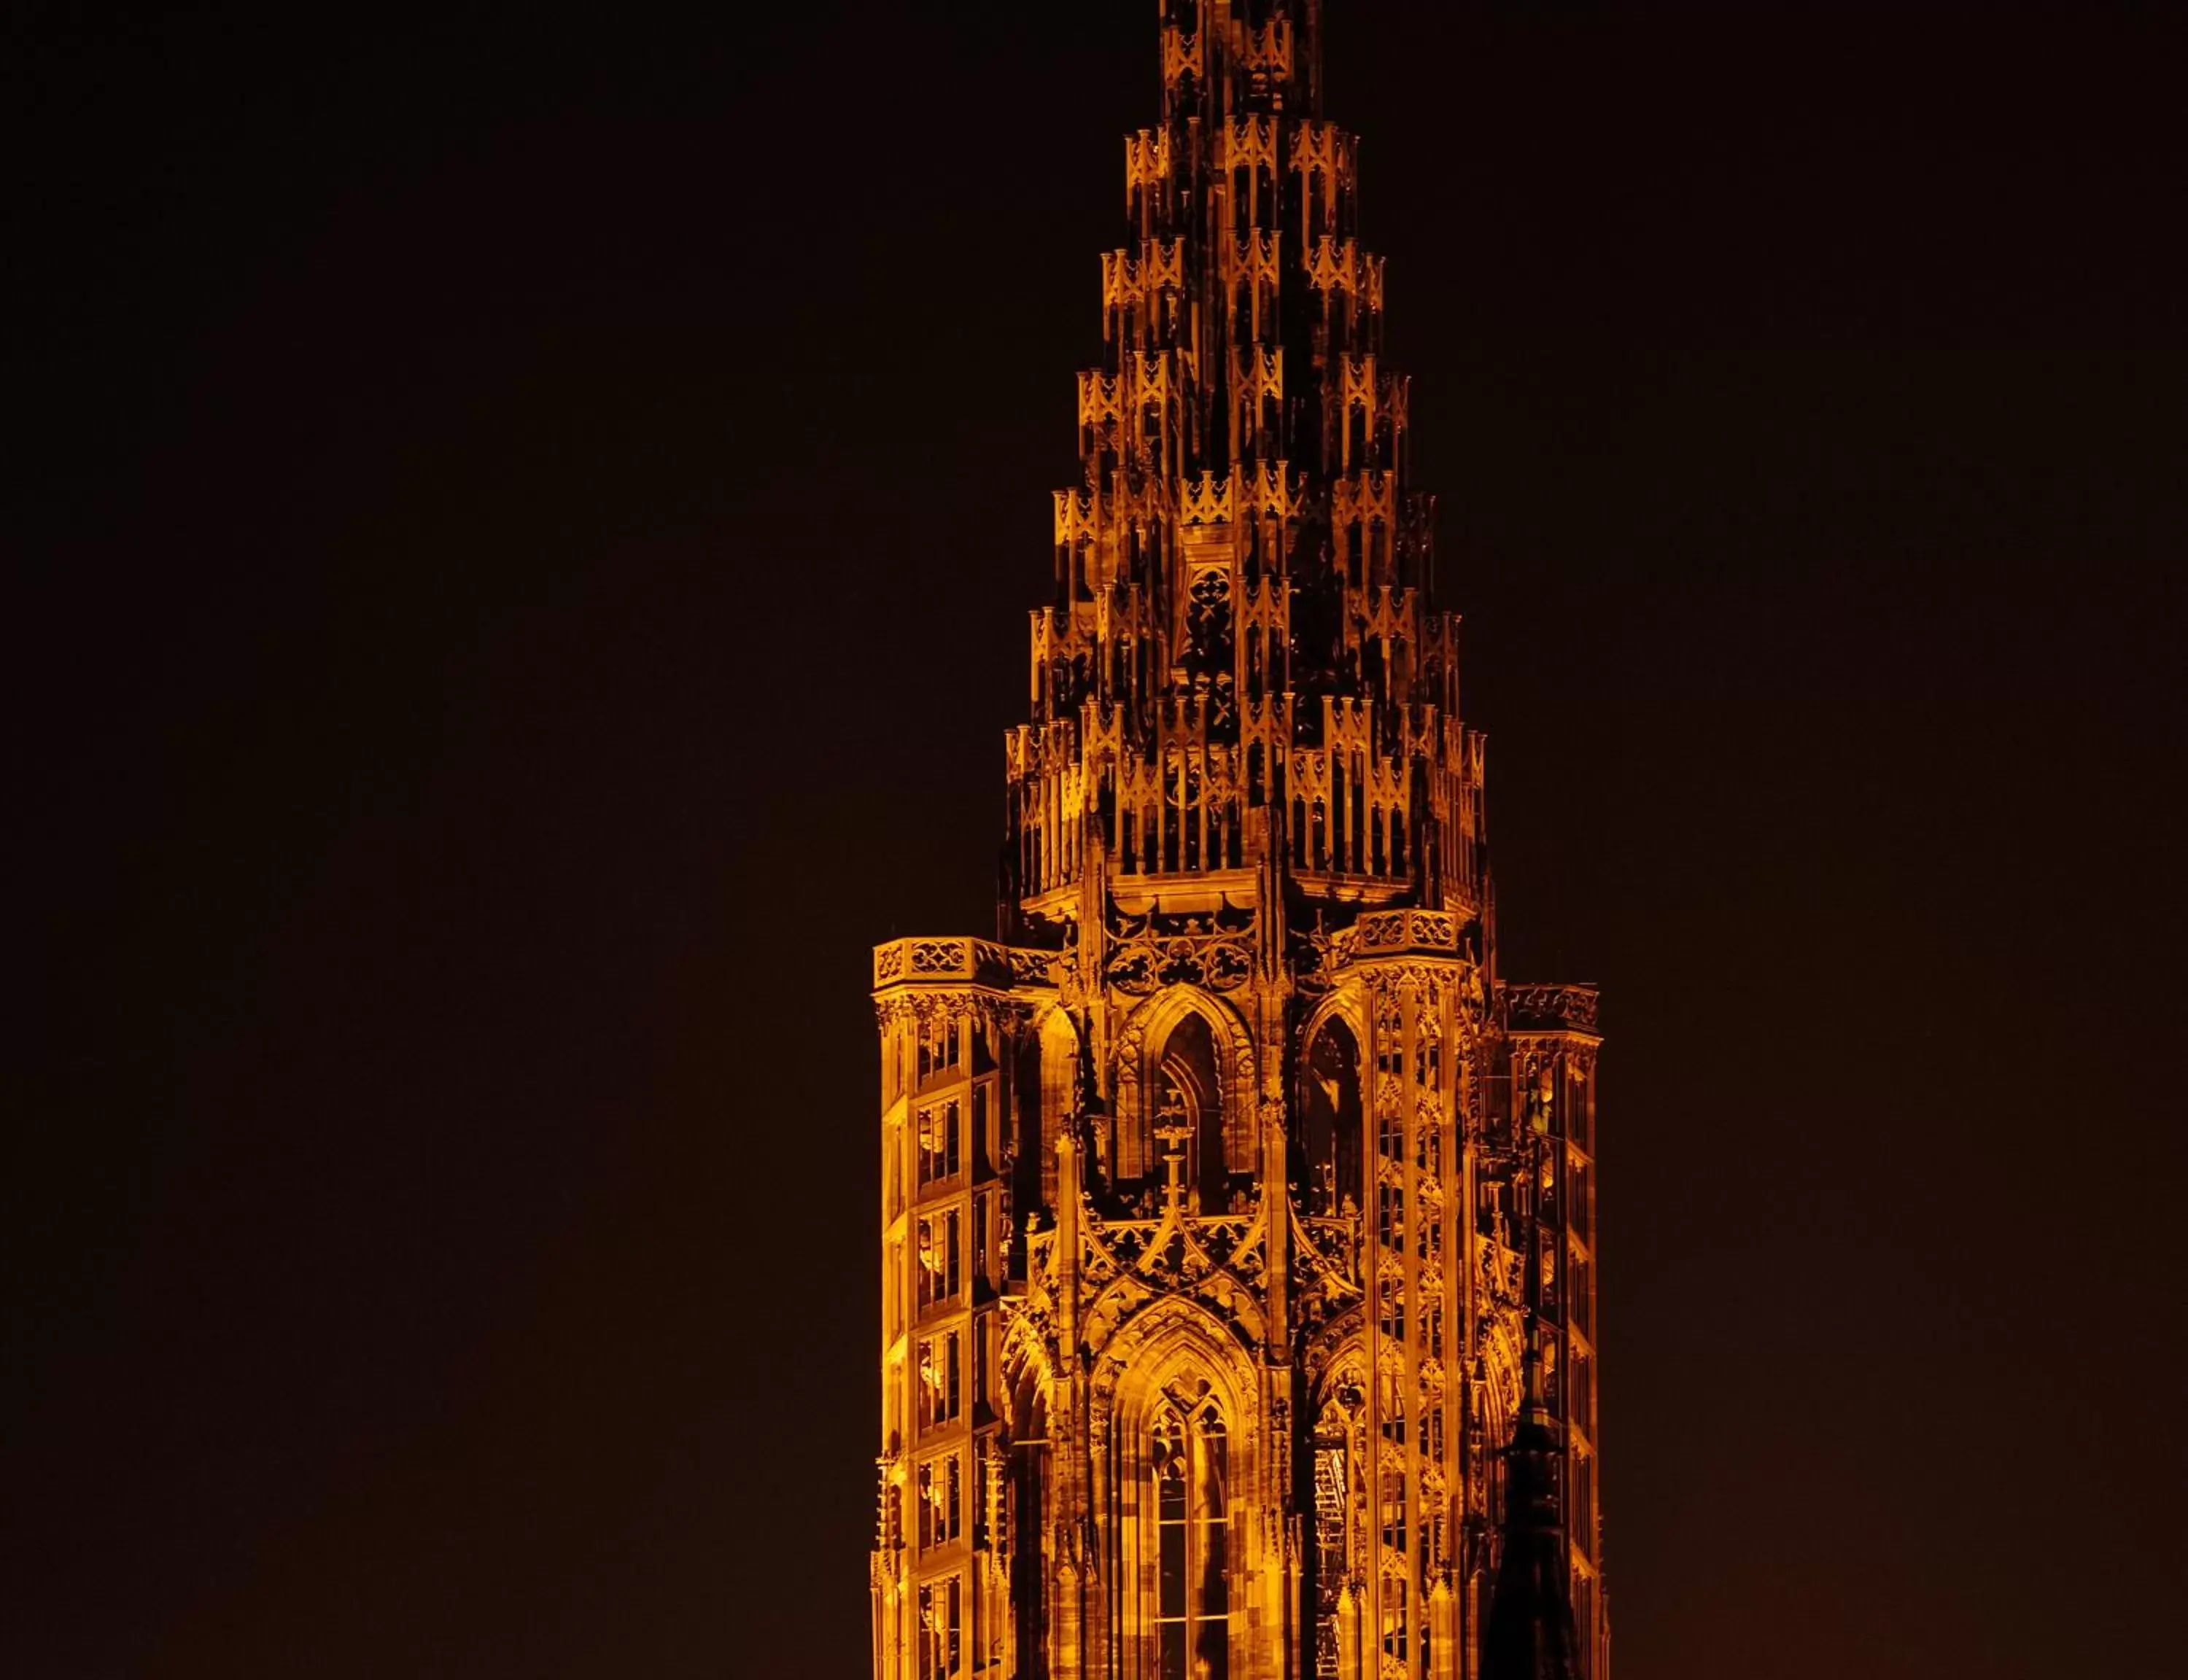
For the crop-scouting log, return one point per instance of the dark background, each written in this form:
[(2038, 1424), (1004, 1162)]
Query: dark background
[(527, 522)]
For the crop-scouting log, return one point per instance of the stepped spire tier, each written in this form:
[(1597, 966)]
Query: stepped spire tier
[(1240, 666), (1219, 1189)]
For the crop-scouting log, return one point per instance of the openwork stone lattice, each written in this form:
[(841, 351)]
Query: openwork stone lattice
[(1226, 1195)]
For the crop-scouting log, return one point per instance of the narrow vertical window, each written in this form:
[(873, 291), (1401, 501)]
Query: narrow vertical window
[(940, 1127), (1330, 1100), (1394, 1611), (1189, 1460), (937, 1259), (939, 1642), (894, 1147), (941, 1500), (1192, 1096), (938, 1380), (1059, 1092), (980, 1358), (979, 1240), (1171, 1566), (1211, 1515)]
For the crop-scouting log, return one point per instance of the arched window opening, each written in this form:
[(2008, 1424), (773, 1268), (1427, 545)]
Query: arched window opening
[(1337, 1459), (1172, 1623), (1331, 1102), (1211, 1512), (1189, 1093), (1190, 1462), (1030, 1572), (1059, 1096)]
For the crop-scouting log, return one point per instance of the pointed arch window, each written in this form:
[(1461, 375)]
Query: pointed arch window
[(1187, 1091), (1190, 1461), (1059, 1094), (1330, 1100), (1340, 1455)]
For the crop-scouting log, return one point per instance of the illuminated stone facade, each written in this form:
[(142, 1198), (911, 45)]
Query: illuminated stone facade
[(1218, 1193)]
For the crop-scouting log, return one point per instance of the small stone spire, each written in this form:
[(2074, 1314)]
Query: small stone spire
[(1530, 1634)]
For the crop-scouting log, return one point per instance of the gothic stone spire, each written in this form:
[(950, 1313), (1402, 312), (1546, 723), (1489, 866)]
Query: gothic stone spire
[(1241, 660), (1219, 1190)]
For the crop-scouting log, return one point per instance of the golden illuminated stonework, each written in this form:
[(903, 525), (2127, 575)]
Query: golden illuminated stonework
[(1239, 1216)]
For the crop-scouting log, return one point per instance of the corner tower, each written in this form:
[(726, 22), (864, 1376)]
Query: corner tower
[(1219, 1190)]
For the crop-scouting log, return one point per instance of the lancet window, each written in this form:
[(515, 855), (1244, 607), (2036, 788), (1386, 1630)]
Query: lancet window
[(939, 1277), (1332, 1107), (941, 1500), (941, 1642), (1190, 1464), (1059, 1094), (940, 1047), (1030, 1525), (941, 1393), (1339, 1545), (939, 1141), (1186, 1092)]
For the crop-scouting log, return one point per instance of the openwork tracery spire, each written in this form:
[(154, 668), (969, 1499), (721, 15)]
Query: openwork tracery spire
[(1240, 662), (1220, 1192)]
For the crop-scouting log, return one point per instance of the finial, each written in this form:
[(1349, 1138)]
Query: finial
[(1173, 1127)]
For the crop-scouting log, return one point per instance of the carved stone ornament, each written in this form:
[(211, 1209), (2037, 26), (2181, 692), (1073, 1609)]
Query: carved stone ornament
[(1147, 955), (1243, 794)]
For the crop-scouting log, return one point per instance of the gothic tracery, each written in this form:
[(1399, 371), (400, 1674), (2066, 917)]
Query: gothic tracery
[(1219, 1197)]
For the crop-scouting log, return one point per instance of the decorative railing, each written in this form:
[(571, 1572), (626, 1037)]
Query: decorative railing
[(1392, 932), (1550, 1008), (1146, 958), (1231, 1241), (981, 962)]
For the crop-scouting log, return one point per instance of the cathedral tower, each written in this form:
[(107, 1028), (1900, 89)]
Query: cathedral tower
[(1238, 1215)]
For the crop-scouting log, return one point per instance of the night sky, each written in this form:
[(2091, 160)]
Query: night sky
[(528, 522)]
